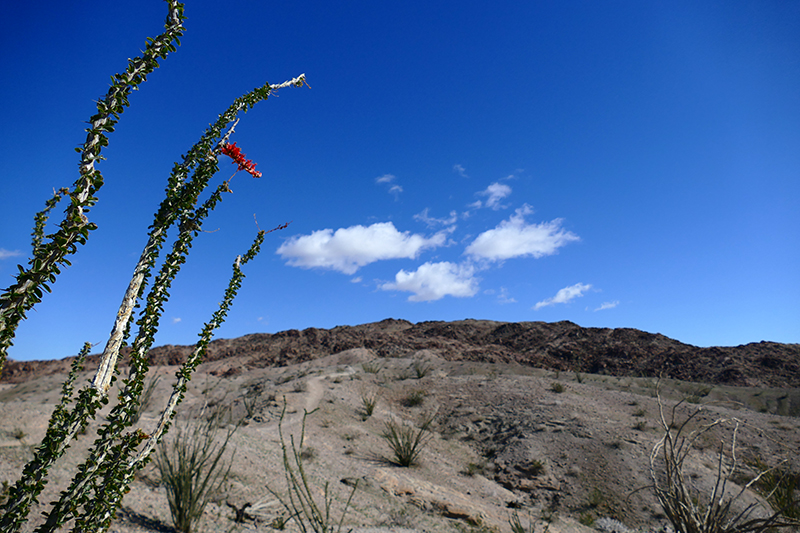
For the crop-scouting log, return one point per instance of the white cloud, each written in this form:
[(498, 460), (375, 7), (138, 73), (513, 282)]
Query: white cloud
[(504, 298), (460, 170), (565, 295), (176, 320), (433, 281), (348, 249), (515, 238), (6, 254), (388, 179), (608, 305), (496, 192), (432, 222), (356, 280)]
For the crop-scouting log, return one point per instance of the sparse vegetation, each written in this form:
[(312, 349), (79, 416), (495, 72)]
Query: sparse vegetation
[(690, 511), (473, 469), (406, 441), (557, 387), (371, 367), (18, 434), (414, 398), (516, 524), (300, 498), (368, 403), (421, 368), (308, 453), (192, 469)]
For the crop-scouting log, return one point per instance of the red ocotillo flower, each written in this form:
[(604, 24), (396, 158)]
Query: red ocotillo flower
[(233, 151)]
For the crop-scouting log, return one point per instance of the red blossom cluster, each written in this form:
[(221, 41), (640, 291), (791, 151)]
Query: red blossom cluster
[(233, 151)]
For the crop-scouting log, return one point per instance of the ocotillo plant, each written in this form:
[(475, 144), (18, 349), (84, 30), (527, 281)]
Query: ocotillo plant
[(119, 450)]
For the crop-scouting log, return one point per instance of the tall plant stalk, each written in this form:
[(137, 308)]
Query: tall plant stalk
[(96, 491)]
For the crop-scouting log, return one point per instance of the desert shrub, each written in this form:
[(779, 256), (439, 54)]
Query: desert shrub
[(516, 524), (192, 469), (557, 387), (369, 400), (414, 399), (421, 368), (308, 453), (778, 486), (120, 450), (473, 469), (687, 509), (300, 499), (406, 441), (371, 367)]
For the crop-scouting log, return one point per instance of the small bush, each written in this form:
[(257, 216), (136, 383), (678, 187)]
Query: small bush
[(406, 441), (414, 399), (308, 454), (586, 519), (595, 499), (641, 425), (368, 403), (372, 367), (193, 470), (535, 468), (516, 524), (557, 387), (421, 369), (19, 434), (640, 413), (473, 469)]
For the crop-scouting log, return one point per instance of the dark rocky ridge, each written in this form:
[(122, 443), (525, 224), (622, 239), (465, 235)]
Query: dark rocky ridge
[(557, 346)]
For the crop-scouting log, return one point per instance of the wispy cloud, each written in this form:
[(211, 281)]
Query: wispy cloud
[(607, 305), (434, 281), (515, 238), (389, 179), (348, 249), (504, 298), (176, 319), (496, 192), (7, 254), (460, 170), (565, 295), (432, 222)]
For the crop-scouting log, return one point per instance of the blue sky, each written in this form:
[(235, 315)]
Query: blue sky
[(616, 164)]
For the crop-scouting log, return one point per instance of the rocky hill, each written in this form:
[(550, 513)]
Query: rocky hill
[(564, 346)]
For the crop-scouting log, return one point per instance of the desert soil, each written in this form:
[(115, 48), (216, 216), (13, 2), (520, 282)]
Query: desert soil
[(502, 439)]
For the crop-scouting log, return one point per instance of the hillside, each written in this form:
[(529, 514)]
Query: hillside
[(562, 346)]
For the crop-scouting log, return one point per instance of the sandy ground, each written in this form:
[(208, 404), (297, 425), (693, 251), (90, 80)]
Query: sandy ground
[(502, 439)]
